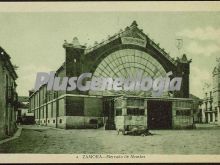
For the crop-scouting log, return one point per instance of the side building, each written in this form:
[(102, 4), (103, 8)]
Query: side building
[(216, 91), (211, 101), (62, 110), (8, 96)]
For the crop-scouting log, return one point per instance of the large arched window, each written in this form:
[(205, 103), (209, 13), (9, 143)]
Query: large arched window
[(127, 63)]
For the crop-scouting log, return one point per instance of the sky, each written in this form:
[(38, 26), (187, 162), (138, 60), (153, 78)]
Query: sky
[(34, 40)]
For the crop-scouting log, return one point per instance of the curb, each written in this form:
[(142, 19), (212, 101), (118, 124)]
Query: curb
[(15, 136)]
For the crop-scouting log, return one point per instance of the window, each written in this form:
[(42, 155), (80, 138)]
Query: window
[(183, 113), (37, 114), (141, 112), (118, 112), (135, 111), (60, 120), (126, 63), (51, 105), (42, 112), (74, 109), (55, 94)]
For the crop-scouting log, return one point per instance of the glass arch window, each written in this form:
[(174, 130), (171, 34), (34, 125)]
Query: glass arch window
[(127, 63)]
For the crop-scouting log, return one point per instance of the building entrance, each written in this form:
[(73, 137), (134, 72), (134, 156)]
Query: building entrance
[(108, 106), (159, 114)]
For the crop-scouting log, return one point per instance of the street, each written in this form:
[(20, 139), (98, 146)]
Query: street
[(45, 140)]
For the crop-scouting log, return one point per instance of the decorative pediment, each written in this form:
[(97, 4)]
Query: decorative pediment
[(130, 35), (134, 32), (133, 35)]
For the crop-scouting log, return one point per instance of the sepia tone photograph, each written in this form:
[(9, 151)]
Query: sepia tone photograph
[(101, 83)]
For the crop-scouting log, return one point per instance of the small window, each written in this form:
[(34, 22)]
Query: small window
[(135, 111), (183, 113), (118, 112), (141, 112), (48, 121), (177, 113), (60, 120), (93, 121), (53, 121)]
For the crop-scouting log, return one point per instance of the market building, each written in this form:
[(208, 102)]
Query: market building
[(122, 55), (8, 96)]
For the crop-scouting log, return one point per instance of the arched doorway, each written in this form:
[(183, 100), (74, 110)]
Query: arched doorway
[(127, 63)]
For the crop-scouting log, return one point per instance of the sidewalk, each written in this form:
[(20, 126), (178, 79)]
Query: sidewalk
[(15, 136), (207, 126), (39, 127), (34, 127)]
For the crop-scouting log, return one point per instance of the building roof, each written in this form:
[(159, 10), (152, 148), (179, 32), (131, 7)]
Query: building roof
[(61, 67), (5, 57), (23, 98), (194, 97), (129, 31)]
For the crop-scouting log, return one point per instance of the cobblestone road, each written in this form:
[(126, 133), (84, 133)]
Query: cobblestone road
[(36, 139)]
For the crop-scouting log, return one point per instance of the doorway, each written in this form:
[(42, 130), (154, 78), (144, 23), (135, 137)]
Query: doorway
[(159, 114), (108, 110)]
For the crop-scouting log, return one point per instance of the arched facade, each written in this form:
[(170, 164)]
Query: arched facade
[(124, 55), (128, 63), (80, 59)]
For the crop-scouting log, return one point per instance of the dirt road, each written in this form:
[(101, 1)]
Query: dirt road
[(85, 141)]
